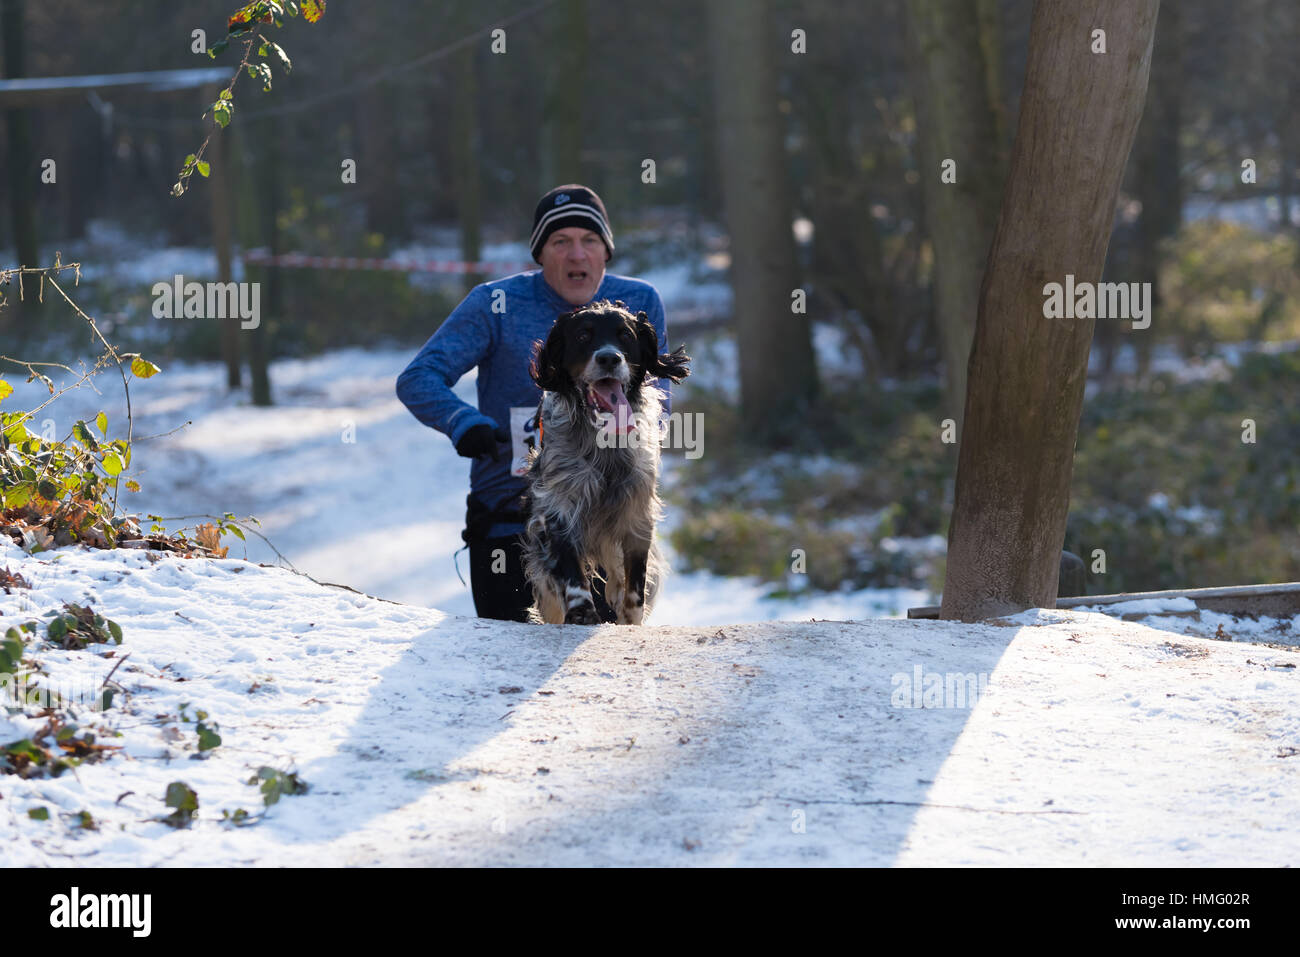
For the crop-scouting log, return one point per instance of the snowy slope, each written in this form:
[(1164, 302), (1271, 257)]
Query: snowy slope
[(434, 739)]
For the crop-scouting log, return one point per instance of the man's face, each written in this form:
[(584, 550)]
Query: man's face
[(573, 264)]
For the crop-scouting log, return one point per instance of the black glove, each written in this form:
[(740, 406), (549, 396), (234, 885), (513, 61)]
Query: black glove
[(483, 440)]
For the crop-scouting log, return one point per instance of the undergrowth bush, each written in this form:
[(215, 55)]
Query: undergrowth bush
[(60, 491)]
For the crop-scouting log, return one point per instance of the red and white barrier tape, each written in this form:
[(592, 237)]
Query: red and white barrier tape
[(301, 261)]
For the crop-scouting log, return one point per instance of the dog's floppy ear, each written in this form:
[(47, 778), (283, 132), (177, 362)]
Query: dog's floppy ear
[(547, 367), (673, 365)]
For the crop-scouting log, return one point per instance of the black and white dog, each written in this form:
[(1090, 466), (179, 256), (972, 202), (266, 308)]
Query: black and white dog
[(593, 484)]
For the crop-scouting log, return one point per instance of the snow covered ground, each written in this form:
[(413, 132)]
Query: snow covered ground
[(735, 730), (1052, 738)]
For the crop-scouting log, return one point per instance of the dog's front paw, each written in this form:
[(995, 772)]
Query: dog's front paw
[(580, 608), (632, 615), (584, 614)]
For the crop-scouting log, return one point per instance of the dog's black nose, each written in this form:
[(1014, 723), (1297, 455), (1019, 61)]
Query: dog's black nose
[(608, 360)]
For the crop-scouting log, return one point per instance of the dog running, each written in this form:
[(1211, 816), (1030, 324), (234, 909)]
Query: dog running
[(593, 498)]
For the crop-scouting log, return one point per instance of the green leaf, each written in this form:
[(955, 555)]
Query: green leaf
[(208, 738), (182, 797), (261, 71), (11, 655), (276, 783), (48, 490), (18, 496), (203, 168), (101, 421), (112, 463), (16, 431), (82, 433), (115, 630), (24, 747), (142, 368), (237, 532), (38, 813), (124, 449), (283, 57), (58, 628), (240, 818)]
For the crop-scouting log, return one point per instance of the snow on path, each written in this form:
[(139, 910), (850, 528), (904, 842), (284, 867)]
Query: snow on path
[(434, 739)]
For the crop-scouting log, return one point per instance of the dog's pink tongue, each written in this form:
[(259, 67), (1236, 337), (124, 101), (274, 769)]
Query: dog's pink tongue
[(622, 409)]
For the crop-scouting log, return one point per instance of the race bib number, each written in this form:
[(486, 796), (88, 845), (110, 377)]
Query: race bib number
[(523, 437)]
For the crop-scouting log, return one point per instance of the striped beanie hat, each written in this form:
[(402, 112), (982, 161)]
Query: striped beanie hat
[(570, 205)]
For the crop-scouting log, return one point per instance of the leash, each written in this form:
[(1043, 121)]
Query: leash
[(455, 560)]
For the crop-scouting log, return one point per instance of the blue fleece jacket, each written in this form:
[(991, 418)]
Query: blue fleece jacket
[(494, 328)]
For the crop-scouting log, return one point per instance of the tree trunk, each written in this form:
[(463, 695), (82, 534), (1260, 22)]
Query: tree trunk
[(1288, 119), (777, 371), (1158, 167), (273, 305), (956, 122), (990, 31), (381, 152), (222, 204), (253, 217), (1078, 117), (562, 111), (465, 162), (23, 175)]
